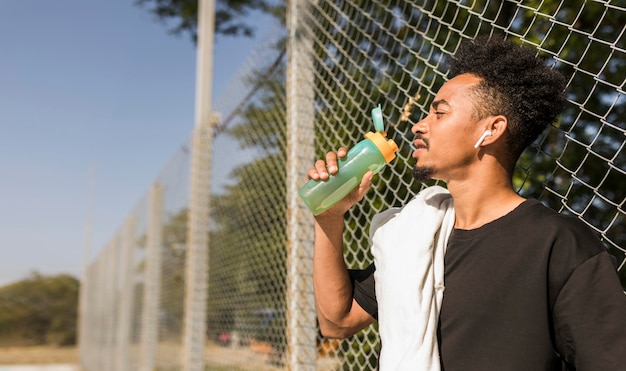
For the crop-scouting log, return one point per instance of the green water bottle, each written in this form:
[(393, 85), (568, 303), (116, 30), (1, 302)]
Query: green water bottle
[(370, 154)]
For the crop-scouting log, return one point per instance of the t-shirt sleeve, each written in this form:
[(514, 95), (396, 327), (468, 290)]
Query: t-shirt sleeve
[(364, 289), (590, 317)]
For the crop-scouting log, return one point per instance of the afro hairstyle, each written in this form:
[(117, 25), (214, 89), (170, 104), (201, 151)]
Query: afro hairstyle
[(516, 83)]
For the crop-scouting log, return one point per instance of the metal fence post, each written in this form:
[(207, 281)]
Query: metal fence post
[(152, 279), (124, 321), (302, 326), (197, 260)]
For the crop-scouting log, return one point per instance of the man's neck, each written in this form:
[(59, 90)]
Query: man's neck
[(479, 203)]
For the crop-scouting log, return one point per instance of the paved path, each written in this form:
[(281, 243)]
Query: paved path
[(38, 368)]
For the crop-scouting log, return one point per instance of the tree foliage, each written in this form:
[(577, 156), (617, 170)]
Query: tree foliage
[(39, 310), (248, 295), (230, 15), (173, 255)]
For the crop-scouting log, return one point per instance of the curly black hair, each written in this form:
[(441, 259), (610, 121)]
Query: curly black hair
[(516, 83)]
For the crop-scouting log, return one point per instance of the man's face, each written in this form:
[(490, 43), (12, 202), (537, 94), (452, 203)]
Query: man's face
[(444, 140)]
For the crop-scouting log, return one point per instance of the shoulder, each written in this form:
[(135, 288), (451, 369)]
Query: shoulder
[(560, 228), (572, 244), (565, 241)]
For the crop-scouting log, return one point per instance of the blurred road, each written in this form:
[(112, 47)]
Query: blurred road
[(39, 368)]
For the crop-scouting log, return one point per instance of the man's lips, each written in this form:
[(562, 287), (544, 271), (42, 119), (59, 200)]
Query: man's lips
[(420, 145)]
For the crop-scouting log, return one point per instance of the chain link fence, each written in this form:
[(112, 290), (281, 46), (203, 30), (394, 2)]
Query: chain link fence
[(132, 308), (309, 88)]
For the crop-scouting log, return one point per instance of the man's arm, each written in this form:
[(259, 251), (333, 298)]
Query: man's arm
[(338, 314), (590, 317)]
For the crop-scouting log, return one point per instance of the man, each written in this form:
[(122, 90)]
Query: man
[(525, 287)]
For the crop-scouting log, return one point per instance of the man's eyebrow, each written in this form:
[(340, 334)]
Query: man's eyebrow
[(435, 104)]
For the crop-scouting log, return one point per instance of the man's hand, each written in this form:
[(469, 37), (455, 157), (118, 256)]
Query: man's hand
[(325, 168)]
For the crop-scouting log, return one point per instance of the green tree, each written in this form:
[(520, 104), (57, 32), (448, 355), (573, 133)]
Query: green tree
[(248, 258), (173, 254), (230, 15), (39, 310), (244, 295)]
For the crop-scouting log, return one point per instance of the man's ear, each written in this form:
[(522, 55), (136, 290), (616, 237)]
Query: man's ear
[(494, 130)]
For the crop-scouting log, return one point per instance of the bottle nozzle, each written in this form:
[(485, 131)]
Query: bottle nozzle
[(377, 117)]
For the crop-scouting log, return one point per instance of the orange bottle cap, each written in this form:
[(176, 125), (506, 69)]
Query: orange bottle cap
[(387, 147)]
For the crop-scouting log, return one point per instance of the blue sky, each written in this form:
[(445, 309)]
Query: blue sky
[(89, 90)]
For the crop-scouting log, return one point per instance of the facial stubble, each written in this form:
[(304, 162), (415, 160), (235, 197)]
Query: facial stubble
[(423, 173)]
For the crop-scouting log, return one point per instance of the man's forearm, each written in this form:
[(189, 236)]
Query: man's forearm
[(332, 284)]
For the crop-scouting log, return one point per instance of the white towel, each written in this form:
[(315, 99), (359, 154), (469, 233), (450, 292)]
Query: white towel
[(408, 245)]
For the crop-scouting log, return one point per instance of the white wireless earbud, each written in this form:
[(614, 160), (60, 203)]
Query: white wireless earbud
[(482, 138)]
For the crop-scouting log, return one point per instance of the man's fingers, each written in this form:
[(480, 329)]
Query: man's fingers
[(321, 169), (365, 185), (324, 168), (331, 162)]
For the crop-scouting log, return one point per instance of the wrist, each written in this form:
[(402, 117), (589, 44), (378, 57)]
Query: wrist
[(329, 216)]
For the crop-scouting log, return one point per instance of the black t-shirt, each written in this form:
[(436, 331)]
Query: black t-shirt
[(522, 288)]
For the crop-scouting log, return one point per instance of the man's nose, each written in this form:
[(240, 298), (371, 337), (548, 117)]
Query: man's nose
[(420, 127)]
